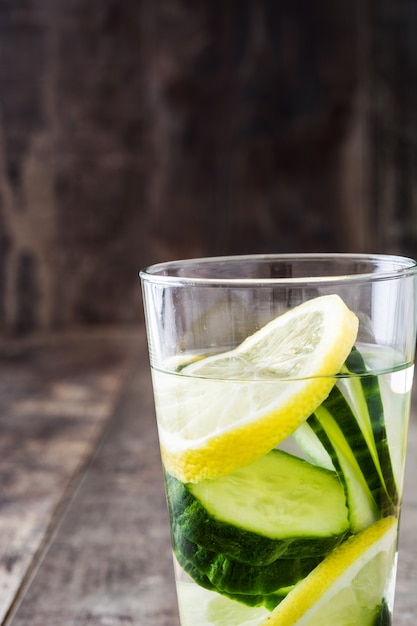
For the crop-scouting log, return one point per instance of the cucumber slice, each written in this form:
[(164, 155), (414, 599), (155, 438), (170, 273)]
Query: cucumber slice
[(336, 409), (231, 576), (350, 426), (269, 601), (312, 447), (280, 506), (384, 617), (362, 508), (364, 395)]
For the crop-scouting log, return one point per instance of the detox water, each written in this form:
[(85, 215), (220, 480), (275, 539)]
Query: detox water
[(282, 391), (340, 479)]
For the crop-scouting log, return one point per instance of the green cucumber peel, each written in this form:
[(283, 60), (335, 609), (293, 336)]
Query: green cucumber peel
[(231, 576), (384, 617), (366, 401), (360, 503), (269, 601), (349, 425)]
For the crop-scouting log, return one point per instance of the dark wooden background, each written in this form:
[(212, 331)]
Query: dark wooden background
[(134, 131)]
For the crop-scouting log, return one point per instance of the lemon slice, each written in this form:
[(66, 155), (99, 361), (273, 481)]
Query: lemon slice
[(225, 411), (348, 587), (200, 607)]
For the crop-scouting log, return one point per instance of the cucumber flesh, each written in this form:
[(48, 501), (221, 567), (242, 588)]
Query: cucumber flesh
[(364, 396), (277, 497), (362, 508), (350, 426), (312, 447), (270, 509)]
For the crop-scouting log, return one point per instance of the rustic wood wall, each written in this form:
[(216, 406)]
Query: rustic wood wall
[(133, 131)]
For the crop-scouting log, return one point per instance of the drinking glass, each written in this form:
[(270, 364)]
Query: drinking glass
[(282, 388)]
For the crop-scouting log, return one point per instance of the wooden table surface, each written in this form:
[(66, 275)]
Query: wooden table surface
[(84, 536)]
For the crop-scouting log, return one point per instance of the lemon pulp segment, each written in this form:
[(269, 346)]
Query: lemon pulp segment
[(224, 411), (368, 553)]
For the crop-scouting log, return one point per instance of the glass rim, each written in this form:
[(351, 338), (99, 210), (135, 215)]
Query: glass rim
[(395, 267)]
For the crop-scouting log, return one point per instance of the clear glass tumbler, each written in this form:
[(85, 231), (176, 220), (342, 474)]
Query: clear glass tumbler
[(282, 389)]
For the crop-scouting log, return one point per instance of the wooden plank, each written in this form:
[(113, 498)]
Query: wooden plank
[(56, 395), (110, 561)]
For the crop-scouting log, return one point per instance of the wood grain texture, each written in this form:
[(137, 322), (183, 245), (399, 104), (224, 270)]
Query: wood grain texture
[(141, 131), (56, 396), (109, 562)]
